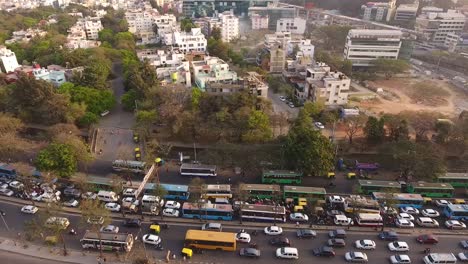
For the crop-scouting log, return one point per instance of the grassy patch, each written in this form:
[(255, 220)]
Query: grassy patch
[(427, 93)]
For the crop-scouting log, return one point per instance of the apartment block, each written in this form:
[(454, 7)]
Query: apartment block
[(274, 12), (229, 26), (295, 25), (253, 83), (259, 21), (140, 21), (161, 57), (212, 70), (190, 41), (455, 42), (92, 26), (207, 8), (377, 11), (363, 46), (8, 61), (406, 12), (435, 26)]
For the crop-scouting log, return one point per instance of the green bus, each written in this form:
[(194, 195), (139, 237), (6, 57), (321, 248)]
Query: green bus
[(457, 180), (431, 189), (281, 177), (312, 193), (261, 191), (369, 186)]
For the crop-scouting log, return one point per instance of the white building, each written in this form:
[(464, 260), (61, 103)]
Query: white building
[(454, 42), (212, 70), (406, 12), (259, 21), (8, 60), (25, 35), (436, 26), (84, 33), (304, 46), (161, 57), (229, 26), (92, 27), (366, 45), (141, 21), (295, 25), (431, 9), (376, 11), (189, 41)]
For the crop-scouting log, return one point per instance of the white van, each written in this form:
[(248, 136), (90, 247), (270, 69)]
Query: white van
[(105, 196), (342, 220), (440, 258), (427, 222), (60, 222), (149, 200)]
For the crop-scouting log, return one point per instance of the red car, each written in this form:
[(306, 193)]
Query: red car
[(427, 239)]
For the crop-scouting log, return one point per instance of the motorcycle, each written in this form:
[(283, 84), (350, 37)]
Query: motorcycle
[(72, 232), (159, 247)]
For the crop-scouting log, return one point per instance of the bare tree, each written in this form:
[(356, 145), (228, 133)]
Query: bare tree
[(94, 216), (422, 122), (353, 125), (242, 196), (198, 193)]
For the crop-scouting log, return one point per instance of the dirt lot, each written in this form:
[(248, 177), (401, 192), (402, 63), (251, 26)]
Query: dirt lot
[(408, 94)]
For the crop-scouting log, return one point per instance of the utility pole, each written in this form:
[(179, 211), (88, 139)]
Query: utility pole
[(4, 221)]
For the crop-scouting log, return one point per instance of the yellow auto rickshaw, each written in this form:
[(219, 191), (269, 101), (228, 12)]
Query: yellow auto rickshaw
[(155, 229), (330, 175), (427, 200), (187, 252), (459, 201), (351, 175), (302, 201), (298, 208)]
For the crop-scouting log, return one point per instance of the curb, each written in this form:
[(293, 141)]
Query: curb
[(249, 225)]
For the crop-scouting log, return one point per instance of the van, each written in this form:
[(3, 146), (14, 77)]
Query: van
[(212, 227), (440, 258), (147, 201), (342, 220), (107, 197), (57, 222), (427, 222)]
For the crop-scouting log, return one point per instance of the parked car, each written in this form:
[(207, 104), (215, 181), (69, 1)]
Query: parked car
[(399, 246), (409, 210), (332, 213), (6, 192), (273, 230), (89, 196), (287, 253), (72, 192), (29, 209), (212, 227), (323, 251), (354, 256), (442, 203), (280, 242), (430, 213), (404, 223), (172, 205), (389, 235), (282, 98), (243, 237), (454, 224), (298, 217), (319, 125), (171, 212), (16, 185), (365, 244), (132, 222), (71, 203), (113, 207), (400, 259), (129, 192), (249, 252), (336, 242), (464, 244), (337, 233), (151, 239), (463, 256), (109, 229), (427, 239), (290, 104), (405, 216), (96, 220), (306, 233)]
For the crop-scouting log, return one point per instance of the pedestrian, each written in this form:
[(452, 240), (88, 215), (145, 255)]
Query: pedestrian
[(297, 224), (104, 260)]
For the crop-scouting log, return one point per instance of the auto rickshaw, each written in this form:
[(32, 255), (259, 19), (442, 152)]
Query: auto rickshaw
[(302, 201), (155, 229), (459, 201), (298, 208), (427, 200), (351, 175), (136, 138), (331, 175), (187, 252)]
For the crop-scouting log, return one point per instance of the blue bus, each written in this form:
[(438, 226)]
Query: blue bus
[(7, 171), (399, 199), (208, 211), (457, 212), (174, 191)]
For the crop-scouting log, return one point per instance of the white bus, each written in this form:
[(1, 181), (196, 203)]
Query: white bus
[(359, 204), (198, 170), (129, 165), (218, 191), (264, 213), (109, 241), (366, 219)]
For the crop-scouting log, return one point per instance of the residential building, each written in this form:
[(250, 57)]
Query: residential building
[(324, 85), (207, 8), (8, 61), (377, 11), (161, 57), (277, 58), (92, 26), (406, 12), (229, 26), (278, 37), (25, 35), (141, 21), (84, 33), (295, 25), (253, 83), (363, 46), (274, 12), (212, 70), (431, 9), (259, 21), (305, 48), (190, 41), (455, 42), (436, 26)]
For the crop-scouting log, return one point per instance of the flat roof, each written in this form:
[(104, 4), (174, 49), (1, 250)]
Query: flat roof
[(210, 235), (432, 185), (261, 187), (196, 166), (458, 207), (389, 184), (208, 206), (398, 196), (285, 172), (454, 175), (264, 208), (108, 236), (218, 187), (304, 189)]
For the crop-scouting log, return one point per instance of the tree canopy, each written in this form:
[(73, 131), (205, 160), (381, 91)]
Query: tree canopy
[(58, 158), (390, 67)]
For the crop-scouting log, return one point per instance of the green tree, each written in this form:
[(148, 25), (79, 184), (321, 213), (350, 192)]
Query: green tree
[(145, 119), (216, 33), (129, 99), (59, 158), (306, 149), (374, 130), (97, 101), (397, 127), (186, 24), (258, 128), (94, 75), (160, 192), (218, 48), (353, 125), (141, 78), (195, 98), (106, 35), (390, 67), (124, 40), (334, 36), (314, 109)]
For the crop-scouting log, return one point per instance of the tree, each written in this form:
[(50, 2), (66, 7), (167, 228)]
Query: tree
[(258, 128), (144, 121), (353, 125), (160, 192), (186, 24), (396, 126), (78, 147), (374, 130), (216, 34), (59, 158), (94, 75), (125, 40), (334, 36), (242, 196), (314, 109), (390, 67), (9, 124), (218, 48), (422, 122), (92, 210), (306, 149), (129, 100), (197, 193)]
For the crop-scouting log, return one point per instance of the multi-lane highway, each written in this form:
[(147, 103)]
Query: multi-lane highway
[(173, 240)]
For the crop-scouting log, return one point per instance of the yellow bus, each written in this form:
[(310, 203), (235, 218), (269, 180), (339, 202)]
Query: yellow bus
[(199, 239)]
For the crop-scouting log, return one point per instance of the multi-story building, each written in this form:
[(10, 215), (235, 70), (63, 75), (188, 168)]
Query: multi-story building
[(25, 35), (436, 26), (406, 12), (274, 12), (454, 42), (376, 11), (92, 26), (363, 46), (190, 41), (253, 83), (324, 85), (295, 25), (207, 8), (140, 21), (277, 58), (431, 9), (305, 48), (259, 21), (8, 61), (229, 26), (161, 57), (212, 70)]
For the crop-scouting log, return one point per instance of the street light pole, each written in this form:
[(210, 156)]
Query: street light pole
[(4, 221)]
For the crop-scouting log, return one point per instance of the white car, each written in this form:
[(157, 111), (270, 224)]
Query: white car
[(273, 230), (463, 256), (89, 196), (430, 213), (16, 185), (170, 212), (298, 217), (71, 203), (427, 222), (354, 256), (336, 199), (404, 223), (129, 192), (291, 105), (6, 192), (243, 237), (389, 210), (172, 205), (365, 244), (49, 197), (319, 125), (4, 186), (36, 196), (405, 216), (151, 239), (399, 246), (409, 210), (282, 98), (110, 229), (113, 207), (442, 203), (287, 253), (454, 224), (29, 209), (400, 259)]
